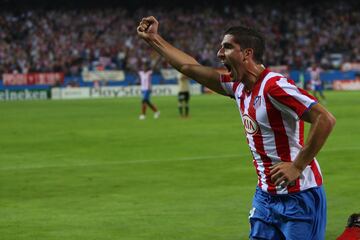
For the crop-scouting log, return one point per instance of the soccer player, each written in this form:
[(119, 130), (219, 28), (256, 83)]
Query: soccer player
[(289, 201), (145, 81), (315, 81), (183, 95)]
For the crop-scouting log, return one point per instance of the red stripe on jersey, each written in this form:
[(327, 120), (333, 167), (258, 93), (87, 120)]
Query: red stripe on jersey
[(236, 84), (301, 132), (242, 105), (225, 78), (263, 74), (277, 126), (284, 98), (259, 144), (316, 172), (301, 138), (295, 188), (281, 138)]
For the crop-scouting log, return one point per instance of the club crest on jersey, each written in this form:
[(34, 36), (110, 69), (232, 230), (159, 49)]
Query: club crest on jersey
[(251, 127), (257, 101)]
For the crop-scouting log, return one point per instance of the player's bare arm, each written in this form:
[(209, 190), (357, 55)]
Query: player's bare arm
[(322, 123), (207, 76)]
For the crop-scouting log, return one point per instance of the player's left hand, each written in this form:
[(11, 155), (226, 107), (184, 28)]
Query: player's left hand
[(282, 174)]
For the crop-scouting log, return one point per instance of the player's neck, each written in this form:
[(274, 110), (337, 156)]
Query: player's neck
[(252, 76)]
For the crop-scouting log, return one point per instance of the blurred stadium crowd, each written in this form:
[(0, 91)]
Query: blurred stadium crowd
[(71, 40)]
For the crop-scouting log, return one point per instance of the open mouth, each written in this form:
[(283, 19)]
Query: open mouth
[(228, 68)]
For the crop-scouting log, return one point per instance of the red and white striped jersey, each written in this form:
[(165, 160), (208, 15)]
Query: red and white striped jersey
[(145, 79), (271, 117)]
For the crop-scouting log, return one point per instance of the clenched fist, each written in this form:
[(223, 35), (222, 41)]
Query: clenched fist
[(148, 26)]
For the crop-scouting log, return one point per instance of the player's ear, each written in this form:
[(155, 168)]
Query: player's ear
[(248, 53)]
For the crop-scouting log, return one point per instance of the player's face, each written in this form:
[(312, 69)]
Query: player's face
[(232, 56)]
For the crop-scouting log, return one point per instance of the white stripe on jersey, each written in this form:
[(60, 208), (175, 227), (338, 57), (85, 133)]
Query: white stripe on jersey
[(283, 108), (260, 170), (307, 178), (267, 78), (294, 92), (228, 89)]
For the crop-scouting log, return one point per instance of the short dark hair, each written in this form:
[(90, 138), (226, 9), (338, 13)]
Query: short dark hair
[(249, 38)]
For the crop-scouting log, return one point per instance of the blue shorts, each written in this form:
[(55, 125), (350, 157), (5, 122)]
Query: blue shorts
[(146, 95), (293, 216)]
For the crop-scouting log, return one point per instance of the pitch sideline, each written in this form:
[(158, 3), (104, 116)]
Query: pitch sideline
[(153, 160)]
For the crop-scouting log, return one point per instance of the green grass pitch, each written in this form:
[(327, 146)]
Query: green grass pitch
[(89, 169)]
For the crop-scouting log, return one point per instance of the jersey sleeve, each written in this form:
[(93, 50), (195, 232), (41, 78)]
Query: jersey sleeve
[(288, 98), (228, 85)]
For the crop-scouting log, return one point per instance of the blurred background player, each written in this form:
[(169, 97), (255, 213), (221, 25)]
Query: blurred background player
[(183, 95), (145, 76), (315, 81), (352, 230)]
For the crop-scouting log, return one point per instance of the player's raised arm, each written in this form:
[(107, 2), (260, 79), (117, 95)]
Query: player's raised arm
[(207, 76)]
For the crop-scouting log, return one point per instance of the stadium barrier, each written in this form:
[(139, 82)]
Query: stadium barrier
[(116, 92), (167, 76), (346, 85), (52, 85), (25, 94)]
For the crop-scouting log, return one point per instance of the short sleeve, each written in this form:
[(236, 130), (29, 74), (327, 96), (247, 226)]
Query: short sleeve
[(287, 97), (228, 85)]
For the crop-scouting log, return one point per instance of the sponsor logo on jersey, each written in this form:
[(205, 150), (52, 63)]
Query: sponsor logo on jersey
[(251, 127)]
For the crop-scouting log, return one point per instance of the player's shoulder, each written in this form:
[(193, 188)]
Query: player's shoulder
[(274, 80), (272, 77)]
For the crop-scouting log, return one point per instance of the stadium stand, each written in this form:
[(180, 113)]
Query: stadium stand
[(77, 38)]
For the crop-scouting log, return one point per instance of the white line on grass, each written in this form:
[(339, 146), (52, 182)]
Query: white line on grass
[(124, 162), (151, 160)]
